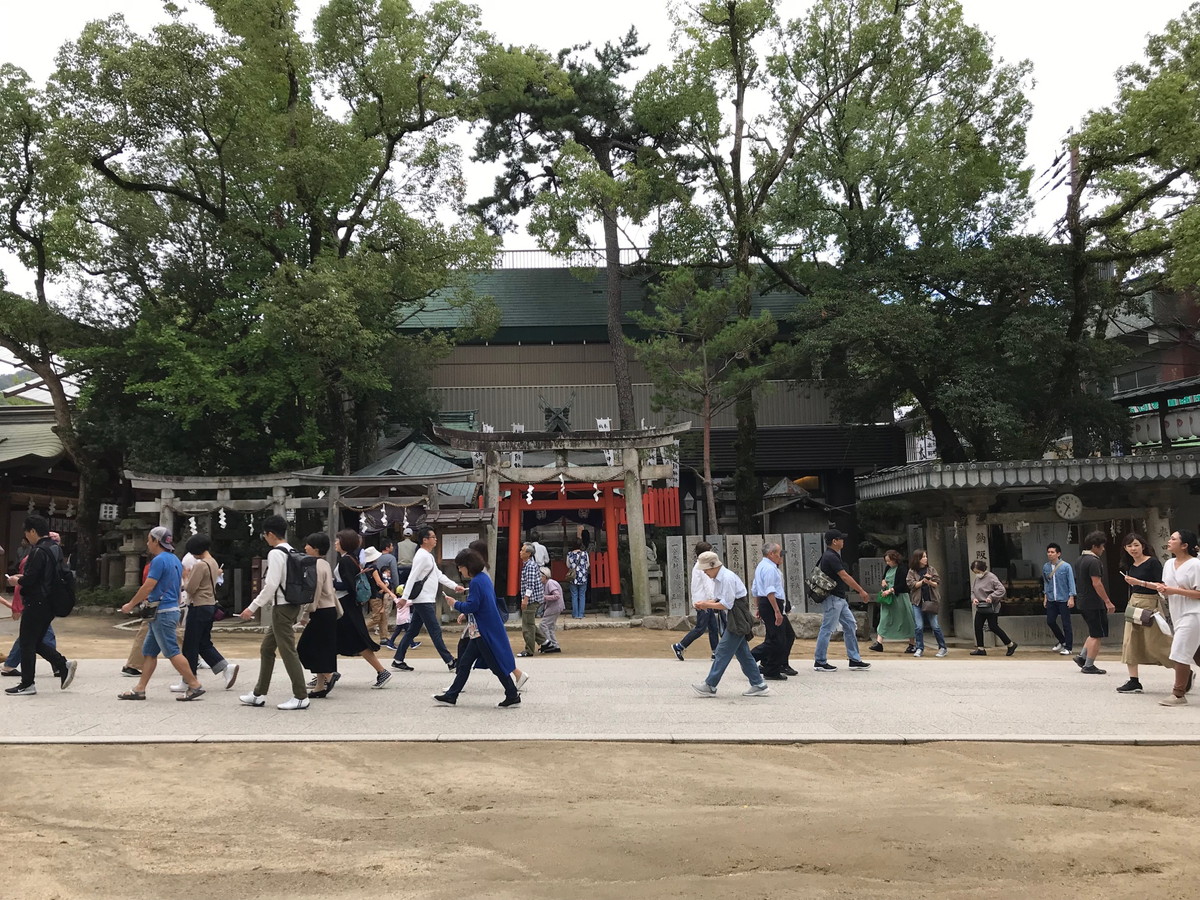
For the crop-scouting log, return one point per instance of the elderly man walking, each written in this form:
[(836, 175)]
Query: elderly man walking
[(767, 588), (533, 592), (730, 594)]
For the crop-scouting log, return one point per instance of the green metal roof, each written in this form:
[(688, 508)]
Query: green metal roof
[(27, 435), (560, 304), (413, 460)]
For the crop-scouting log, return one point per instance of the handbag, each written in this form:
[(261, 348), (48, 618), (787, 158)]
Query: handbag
[(884, 599), (930, 607), (147, 610), (819, 584), (1139, 616), (417, 587)]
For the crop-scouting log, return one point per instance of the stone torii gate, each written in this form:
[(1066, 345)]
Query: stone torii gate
[(631, 472)]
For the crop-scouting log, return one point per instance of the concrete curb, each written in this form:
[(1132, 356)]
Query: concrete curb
[(798, 739)]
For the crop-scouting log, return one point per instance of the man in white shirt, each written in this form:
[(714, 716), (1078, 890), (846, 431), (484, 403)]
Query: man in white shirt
[(712, 621), (729, 593), (282, 636), (541, 555), (421, 591)]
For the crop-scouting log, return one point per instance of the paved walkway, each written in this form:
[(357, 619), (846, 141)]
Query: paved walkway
[(898, 700)]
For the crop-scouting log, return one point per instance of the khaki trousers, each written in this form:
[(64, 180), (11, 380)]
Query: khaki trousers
[(281, 638), (378, 616)]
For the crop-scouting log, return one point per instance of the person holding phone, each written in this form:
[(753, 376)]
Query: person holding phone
[(1142, 644)]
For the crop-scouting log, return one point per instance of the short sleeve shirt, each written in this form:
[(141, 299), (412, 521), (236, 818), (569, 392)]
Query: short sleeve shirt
[(831, 564), (1089, 565), (167, 571)]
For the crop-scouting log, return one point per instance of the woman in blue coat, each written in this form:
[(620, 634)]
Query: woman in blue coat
[(487, 639)]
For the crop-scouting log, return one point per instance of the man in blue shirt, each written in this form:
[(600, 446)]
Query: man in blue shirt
[(1059, 597), (767, 588), (162, 586)]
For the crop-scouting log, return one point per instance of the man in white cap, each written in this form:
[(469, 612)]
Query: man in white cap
[(729, 594), (162, 588)]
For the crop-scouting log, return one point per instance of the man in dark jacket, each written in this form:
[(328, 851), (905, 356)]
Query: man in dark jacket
[(45, 559)]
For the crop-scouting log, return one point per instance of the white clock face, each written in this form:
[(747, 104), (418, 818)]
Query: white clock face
[(1068, 506)]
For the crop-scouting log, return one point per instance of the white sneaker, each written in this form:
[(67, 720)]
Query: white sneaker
[(231, 673), (252, 700), (918, 653), (201, 664), (1056, 647), (757, 690), (294, 703), (521, 681), (942, 651), (1065, 652), (178, 688)]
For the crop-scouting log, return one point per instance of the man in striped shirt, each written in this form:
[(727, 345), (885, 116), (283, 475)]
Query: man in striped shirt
[(533, 592)]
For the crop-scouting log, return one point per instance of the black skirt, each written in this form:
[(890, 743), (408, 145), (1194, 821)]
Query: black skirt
[(317, 647), (352, 636)]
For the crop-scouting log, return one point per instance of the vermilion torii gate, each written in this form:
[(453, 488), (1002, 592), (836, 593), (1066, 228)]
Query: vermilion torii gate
[(554, 485)]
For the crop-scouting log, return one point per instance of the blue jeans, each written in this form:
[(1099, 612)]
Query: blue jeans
[(728, 647), (578, 600), (920, 618), (162, 637), (1060, 610), (14, 655), (706, 620), (424, 615), (837, 609)]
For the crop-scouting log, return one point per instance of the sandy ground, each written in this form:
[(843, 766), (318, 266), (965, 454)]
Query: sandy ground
[(580, 820), (598, 821)]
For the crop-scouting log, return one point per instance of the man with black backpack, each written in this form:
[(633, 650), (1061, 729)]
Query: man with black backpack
[(43, 575), (284, 590)]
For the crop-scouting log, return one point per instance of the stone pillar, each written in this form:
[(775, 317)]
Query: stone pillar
[(166, 515), (935, 547), (638, 564), (1158, 530)]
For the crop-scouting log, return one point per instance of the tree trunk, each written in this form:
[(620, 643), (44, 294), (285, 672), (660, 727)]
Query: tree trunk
[(745, 477), (626, 414)]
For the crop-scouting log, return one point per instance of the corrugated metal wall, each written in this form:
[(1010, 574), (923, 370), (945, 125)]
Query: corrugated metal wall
[(501, 406)]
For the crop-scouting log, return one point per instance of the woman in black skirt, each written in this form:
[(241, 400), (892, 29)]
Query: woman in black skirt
[(352, 636), (317, 647)]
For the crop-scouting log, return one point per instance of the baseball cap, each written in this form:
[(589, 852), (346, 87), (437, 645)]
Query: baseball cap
[(163, 535), (708, 560), (408, 532), (833, 535)]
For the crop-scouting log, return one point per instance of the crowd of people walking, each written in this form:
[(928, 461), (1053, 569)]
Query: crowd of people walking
[(343, 607)]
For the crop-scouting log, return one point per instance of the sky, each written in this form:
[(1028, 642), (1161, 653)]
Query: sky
[(1075, 47)]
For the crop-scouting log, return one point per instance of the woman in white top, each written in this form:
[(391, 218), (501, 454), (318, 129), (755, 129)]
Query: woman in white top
[(1181, 587)]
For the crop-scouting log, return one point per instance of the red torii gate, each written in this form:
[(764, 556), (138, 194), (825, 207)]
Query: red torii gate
[(626, 474), (660, 507)]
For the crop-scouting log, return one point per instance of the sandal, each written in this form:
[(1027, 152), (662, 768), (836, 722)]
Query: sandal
[(193, 693), (131, 695)]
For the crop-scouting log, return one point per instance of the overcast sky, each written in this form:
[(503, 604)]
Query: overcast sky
[(1075, 47)]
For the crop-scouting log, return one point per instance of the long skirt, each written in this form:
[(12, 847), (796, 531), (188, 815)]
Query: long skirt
[(896, 622), (318, 642)]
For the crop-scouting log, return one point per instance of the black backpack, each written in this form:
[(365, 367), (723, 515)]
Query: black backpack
[(60, 591), (300, 581)]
